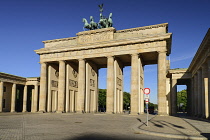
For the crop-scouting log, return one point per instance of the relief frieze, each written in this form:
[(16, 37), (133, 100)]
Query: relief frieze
[(92, 82), (94, 38), (76, 54), (54, 83), (119, 82), (73, 83)]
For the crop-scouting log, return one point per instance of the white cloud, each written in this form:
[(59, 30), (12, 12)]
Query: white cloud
[(181, 58)]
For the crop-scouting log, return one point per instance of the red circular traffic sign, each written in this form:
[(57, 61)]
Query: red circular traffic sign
[(146, 91)]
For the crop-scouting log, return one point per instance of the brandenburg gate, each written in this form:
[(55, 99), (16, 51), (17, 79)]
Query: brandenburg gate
[(69, 68)]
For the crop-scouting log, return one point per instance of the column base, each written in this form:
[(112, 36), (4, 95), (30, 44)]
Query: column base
[(24, 111), (110, 112), (134, 113), (60, 112), (13, 112), (162, 114), (41, 111)]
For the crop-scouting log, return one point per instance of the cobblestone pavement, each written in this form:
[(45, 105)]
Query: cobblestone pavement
[(52, 126)]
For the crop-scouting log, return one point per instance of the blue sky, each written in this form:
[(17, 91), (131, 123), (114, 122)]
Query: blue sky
[(26, 23)]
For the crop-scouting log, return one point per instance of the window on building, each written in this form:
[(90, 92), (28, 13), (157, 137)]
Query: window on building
[(4, 104), (5, 89)]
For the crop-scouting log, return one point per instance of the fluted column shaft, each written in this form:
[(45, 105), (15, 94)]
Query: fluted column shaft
[(1, 95), (35, 102), (110, 85), (134, 84), (43, 88), (208, 98), (81, 87), (174, 97), (199, 90), (195, 95), (205, 113), (162, 108), (25, 99), (13, 99), (61, 86)]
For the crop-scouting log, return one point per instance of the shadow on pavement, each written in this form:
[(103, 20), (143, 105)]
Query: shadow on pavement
[(101, 137), (207, 135)]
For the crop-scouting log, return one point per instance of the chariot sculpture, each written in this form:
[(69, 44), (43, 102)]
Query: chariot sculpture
[(103, 22)]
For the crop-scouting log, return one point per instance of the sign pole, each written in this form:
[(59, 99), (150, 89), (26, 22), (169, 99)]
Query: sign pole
[(147, 113), (147, 92)]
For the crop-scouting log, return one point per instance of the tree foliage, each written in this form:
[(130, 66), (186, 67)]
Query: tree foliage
[(182, 100), (126, 100), (102, 98)]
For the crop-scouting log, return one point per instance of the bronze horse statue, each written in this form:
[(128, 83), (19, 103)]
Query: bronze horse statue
[(86, 24), (93, 24)]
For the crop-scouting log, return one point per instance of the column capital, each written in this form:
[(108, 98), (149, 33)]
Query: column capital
[(43, 63), (135, 54), (111, 56), (62, 61), (81, 59), (162, 52)]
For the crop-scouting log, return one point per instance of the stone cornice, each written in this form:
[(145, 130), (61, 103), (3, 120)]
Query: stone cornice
[(149, 38), (143, 28), (201, 53), (12, 78), (173, 71), (110, 29), (57, 40)]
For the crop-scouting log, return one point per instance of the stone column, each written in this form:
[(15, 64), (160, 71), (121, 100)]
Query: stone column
[(195, 95), (32, 100), (208, 71), (162, 109), (61, 86), (188, 98), (199, 90), (67, 109), (81, 87), (168, 95), (25, 99), (110, 85), (43, 88), (134, 84), (173, 97), (1, 95), (205, 113), (67, 101), (35, 102), (49, 90), (192, 96), (13, 99)]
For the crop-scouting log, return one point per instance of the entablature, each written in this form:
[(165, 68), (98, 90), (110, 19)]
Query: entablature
[(107, 37), (4, 77)]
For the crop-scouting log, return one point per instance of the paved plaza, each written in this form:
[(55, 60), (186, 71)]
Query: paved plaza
[(54, 126)]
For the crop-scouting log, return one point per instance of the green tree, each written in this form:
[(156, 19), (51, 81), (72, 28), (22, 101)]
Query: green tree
[(182, 100), (126, 100), (102, 98)]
